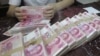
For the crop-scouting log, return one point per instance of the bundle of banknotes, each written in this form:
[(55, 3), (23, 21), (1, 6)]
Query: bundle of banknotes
[(13, 46), (53, 40)]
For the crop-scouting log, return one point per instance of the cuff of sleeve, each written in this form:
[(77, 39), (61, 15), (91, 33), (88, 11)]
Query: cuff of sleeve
[(15, 2)]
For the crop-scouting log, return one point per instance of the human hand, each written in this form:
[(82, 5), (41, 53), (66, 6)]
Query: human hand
[(49, 11), (19, 14)]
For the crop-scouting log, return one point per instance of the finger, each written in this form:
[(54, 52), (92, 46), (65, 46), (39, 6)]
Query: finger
[(21, 18), (48, 8), (48, 12), (19, 14), (48, 15), (18, 10)]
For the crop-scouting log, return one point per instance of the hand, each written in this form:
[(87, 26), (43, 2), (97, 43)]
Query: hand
[(19, 14), (49, 11)]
